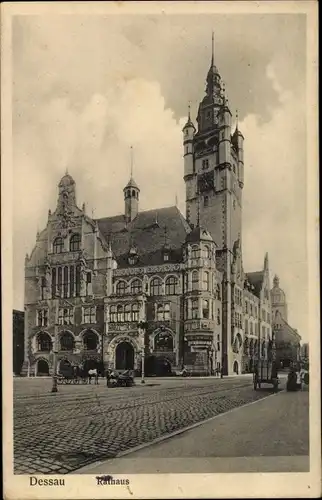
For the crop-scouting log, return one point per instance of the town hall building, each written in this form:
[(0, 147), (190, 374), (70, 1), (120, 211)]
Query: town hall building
[(154, 285)]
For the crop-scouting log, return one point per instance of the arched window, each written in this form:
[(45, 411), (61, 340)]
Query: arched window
[(163, 341), (90, 341), (195, 280), (135, 312), (194, 252), (205, 201), (44, 342), (156, 286), (58, 245), (128, 193), (43, 287), (120, 314), (206, 281), (53, 282), (113, 314), (218, 292), (171, 285), (121, 288), (246, 325), (133, 193), (205, 309), (67, 342), (75, 242), (136, 287), (127, 312)]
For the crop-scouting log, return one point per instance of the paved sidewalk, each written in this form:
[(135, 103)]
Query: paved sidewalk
[(271, 435)]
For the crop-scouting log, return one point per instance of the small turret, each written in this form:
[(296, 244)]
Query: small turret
[(276, 281), (225, 133), (131, 196), (189, 131)]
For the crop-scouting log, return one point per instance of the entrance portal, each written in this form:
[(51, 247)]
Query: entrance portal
[(42, 368), (124, 356)]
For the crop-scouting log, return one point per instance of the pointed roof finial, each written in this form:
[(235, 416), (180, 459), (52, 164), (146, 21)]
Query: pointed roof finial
[(66, 171), (131, 161), (189, 115), (198, 208), (237, 119), (176, 200), (212, 48)]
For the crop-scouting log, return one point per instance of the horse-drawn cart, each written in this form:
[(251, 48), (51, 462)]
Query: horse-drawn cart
[(125, 379), (265, 372)]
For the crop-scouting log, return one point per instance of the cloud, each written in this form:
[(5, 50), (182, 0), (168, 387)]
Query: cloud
[(274, 217), (86, 89)]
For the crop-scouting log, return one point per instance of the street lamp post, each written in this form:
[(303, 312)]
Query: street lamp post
[(143, 326), (54, 388)]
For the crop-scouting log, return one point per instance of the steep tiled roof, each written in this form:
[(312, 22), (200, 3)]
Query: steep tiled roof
[(147, 233), (256, 279), (198, 234)]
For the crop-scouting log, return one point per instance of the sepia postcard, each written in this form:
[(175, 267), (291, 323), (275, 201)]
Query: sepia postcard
[(160, 272)]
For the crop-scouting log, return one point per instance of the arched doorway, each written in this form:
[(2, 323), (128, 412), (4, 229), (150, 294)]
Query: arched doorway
[(235, 367), (124, 356), (42, 368)]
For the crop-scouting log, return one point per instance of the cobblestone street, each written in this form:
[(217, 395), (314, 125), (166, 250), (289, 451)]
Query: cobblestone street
[(58, 433)]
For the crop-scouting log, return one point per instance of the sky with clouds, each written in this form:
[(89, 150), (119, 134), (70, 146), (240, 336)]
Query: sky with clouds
[(86, 88)]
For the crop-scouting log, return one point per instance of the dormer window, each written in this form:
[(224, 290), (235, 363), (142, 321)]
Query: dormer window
[(205, 164), (133, 256)]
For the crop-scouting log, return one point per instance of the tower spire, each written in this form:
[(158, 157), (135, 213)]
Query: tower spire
[(131, 163), (236, 119), (212, 48)]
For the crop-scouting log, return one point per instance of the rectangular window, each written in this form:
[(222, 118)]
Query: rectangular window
[(246, 306), (206, 281), (72, 277), (42, 317), (53, 283), (195, 280), (66, 282), (163, 312), (194, 309), (89, 314), (78, 287), (66, 316)]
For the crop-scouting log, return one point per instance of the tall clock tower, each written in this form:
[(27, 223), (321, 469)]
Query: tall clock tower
[(214, 166), (214, 178)]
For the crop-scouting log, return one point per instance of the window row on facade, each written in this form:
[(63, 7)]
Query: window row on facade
[(66, 316), (131, 312), (255, 348), (197, 308), (44, 343), (66, 282)]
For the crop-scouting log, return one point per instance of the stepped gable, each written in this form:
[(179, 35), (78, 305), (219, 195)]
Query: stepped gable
[(147, 234)]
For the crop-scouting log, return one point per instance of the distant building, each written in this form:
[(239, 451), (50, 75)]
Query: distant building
[(288, 340), (91, 284), (18, 341)]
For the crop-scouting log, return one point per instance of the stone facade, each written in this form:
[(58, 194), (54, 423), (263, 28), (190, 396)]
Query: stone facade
[(106, 292), (288, 340)]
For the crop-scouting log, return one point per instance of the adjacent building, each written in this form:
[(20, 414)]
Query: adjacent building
[(288, 340), (105, 292), (17, 341)]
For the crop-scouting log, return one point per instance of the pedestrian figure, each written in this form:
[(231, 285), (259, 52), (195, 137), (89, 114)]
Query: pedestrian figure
[(108, 376), (221, 373)]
